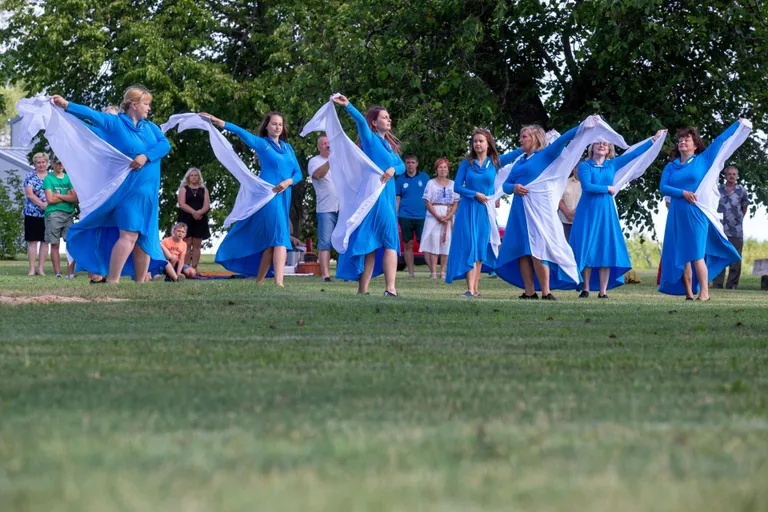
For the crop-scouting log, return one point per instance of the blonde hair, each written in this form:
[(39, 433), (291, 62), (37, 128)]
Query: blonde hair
[(111, 109), (185, 179), (611, 151), (40, 155), (134, 94), (537, 134)]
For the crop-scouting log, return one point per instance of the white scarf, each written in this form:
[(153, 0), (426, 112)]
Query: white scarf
[(638, 166), (254, 192), (707, 193), (356, 178), (545, 233), (95, 168)]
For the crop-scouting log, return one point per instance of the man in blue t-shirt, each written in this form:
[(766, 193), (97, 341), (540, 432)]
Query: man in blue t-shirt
[(411, 209)]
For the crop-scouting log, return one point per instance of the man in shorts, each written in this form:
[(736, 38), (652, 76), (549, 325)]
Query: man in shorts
[(411, 209), (60, 212)]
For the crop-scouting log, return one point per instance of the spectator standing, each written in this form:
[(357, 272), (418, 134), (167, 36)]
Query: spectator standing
[(194, 203), (411, 210), (734, 201), (60, 212), (326, 203), (35, 204)]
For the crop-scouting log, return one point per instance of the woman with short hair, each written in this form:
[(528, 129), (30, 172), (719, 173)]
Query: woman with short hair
[(441, 202), (35, 203), (692, 237)]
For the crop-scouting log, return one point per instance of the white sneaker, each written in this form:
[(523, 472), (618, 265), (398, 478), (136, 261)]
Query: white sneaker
[(70, 276)]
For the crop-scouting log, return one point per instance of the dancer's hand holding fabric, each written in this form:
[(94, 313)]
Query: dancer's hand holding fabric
[(215, 120), (658, 134), (282, 186), (59, 101), (520, 190), (689, 196), (481, 197), (592, 121), (612, 190), (138, 162), (340, 100), (387, 174)]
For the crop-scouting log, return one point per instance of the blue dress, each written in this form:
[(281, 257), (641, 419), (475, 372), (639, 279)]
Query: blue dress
[(470, 240), (516, 243), (242, 248), (135, 204), (689, 235), (596, 236), (378, 230)]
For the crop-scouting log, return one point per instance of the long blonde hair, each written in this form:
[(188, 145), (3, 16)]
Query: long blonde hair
[(611, 151), (133, 94), (185, 179)]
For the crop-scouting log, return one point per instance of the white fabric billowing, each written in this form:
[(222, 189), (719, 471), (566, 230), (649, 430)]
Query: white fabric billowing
[(356, 178), (707, 193), (490, 205), (638, 166), (95, 168), (545, 233), (254, 192)]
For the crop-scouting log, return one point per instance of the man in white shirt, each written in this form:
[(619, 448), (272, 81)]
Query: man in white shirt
[(326, 202)]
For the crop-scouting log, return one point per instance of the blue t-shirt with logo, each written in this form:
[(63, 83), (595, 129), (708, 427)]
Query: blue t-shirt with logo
[(411, 192)]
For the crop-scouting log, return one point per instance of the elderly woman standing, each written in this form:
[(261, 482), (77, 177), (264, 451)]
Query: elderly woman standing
[(194, 204), (34, 214), (441, 202)]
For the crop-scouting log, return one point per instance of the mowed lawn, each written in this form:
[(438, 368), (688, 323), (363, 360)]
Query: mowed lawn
[(228, 396)]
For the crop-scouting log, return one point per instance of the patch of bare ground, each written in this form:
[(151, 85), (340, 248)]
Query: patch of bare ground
[(51, 299)]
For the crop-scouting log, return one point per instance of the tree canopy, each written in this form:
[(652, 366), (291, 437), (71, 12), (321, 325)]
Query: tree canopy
[(441, 67)]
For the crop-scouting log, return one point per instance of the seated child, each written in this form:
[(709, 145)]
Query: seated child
[(175, 250)]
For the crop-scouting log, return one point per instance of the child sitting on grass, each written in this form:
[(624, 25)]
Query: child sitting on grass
[(175, 250)]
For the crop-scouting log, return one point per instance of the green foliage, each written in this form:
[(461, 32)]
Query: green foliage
[(441, 67), (11, 218)]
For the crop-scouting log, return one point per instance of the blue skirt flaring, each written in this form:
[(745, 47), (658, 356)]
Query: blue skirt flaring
[(515, 245), (597, 240), (689, 236), (133, 207), (242, 248)]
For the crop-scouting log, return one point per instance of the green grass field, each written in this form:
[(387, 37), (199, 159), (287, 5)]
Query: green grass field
[(228, 396)]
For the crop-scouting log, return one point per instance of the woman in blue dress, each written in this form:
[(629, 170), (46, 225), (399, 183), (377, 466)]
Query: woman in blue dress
[(515, 264), (690, 238), (121, 237), (374, 246), (596, 236), (471, 240), (261, 241)]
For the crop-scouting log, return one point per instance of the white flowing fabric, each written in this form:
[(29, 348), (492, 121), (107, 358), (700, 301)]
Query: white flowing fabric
[(638, 166), (95, 168), (254, 192), (545, 233), (707, 193), (356, 178)]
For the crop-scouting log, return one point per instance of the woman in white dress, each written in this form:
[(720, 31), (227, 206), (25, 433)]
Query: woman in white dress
[(441, 203)]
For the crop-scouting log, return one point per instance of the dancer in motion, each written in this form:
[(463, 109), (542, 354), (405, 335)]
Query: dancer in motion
[(120, 237), (471, 244), (262, 240), (374, 246), (694, 236), (596, 237)]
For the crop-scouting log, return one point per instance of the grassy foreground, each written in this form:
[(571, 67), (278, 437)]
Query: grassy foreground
[(227, 396)]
